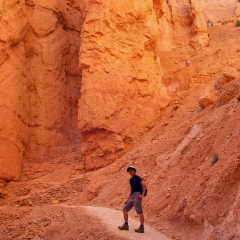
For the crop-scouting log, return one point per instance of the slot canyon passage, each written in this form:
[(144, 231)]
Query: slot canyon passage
[(89, 87)]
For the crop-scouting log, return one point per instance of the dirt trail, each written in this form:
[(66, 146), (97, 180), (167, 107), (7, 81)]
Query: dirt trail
[(112, 218), (71, 222)]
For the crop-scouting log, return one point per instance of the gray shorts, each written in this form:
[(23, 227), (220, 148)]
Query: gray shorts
[(134, 201)]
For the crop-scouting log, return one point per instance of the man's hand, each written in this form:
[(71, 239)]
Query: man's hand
[(140, 196)]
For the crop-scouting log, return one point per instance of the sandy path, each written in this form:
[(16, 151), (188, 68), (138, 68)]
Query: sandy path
[(113, 218)]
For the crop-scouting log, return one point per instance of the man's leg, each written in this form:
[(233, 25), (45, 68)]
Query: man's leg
[(138, 206), (141, 218), (125, 210), (125, 215), (141, 228)]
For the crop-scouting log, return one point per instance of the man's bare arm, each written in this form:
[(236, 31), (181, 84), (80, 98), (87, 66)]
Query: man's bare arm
[(143, 187)]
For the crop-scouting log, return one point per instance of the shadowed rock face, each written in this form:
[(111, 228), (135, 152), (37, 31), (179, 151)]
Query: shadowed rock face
[(39, 79)]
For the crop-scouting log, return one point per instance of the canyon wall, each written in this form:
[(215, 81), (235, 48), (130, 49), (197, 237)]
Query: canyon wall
[(180, 23), (39, 80), (119, 57), (218, 11), (52, 46), (14, 94), (122, 93), (129, 60)]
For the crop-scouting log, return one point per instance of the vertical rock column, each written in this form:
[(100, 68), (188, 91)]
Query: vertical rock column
[(46, 44), (200, 36), (165, 24), (14, 98), (183, 22), (52, 47), (122, 93)]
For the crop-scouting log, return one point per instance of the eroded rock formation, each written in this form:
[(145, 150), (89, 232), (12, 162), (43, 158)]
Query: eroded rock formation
[(14, 94), (122, 93), (218, 11), (200, 36), (207, 97), (228, 85), (40, 79), (190, 154), (52, 46), (121, 62)]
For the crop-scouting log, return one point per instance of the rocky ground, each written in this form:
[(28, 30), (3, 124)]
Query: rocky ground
[(44, 205), (52, 222)]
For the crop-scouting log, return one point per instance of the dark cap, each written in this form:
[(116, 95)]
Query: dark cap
[(131, 168)]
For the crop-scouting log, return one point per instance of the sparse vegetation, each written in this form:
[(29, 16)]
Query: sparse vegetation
[(238, 23), (215, 158)]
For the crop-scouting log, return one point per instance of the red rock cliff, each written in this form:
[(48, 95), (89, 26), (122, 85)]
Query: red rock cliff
[(122, 54), (122, 93), (39, 80)]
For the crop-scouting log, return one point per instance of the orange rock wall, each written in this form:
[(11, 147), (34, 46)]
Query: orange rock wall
[(122, 93), (180, 22), (218, 11), (14, 95), (39, 80), (121, 62), (52, 46)]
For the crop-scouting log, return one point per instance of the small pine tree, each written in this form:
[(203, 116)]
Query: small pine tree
[(238, 23)]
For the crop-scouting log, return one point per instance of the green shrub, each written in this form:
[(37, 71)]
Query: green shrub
[(214, 158), (238, 23)]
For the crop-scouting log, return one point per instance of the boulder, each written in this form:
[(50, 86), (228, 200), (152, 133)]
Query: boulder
[(227, 75), (229, 91), (43, 21), (207, 97)]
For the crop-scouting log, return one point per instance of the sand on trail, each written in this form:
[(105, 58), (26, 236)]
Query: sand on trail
[(68, 222), (113, 218)]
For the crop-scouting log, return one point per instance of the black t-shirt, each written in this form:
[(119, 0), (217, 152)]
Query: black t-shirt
[(135, 183)]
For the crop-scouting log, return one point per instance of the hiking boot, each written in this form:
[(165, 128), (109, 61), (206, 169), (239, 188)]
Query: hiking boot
[(124, 227), (140, 229)]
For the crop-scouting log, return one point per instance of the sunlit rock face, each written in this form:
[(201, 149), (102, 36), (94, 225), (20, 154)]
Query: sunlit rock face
[(122, 94), (45, 52)]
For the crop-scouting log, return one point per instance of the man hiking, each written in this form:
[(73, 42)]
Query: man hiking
[(137, 191)]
